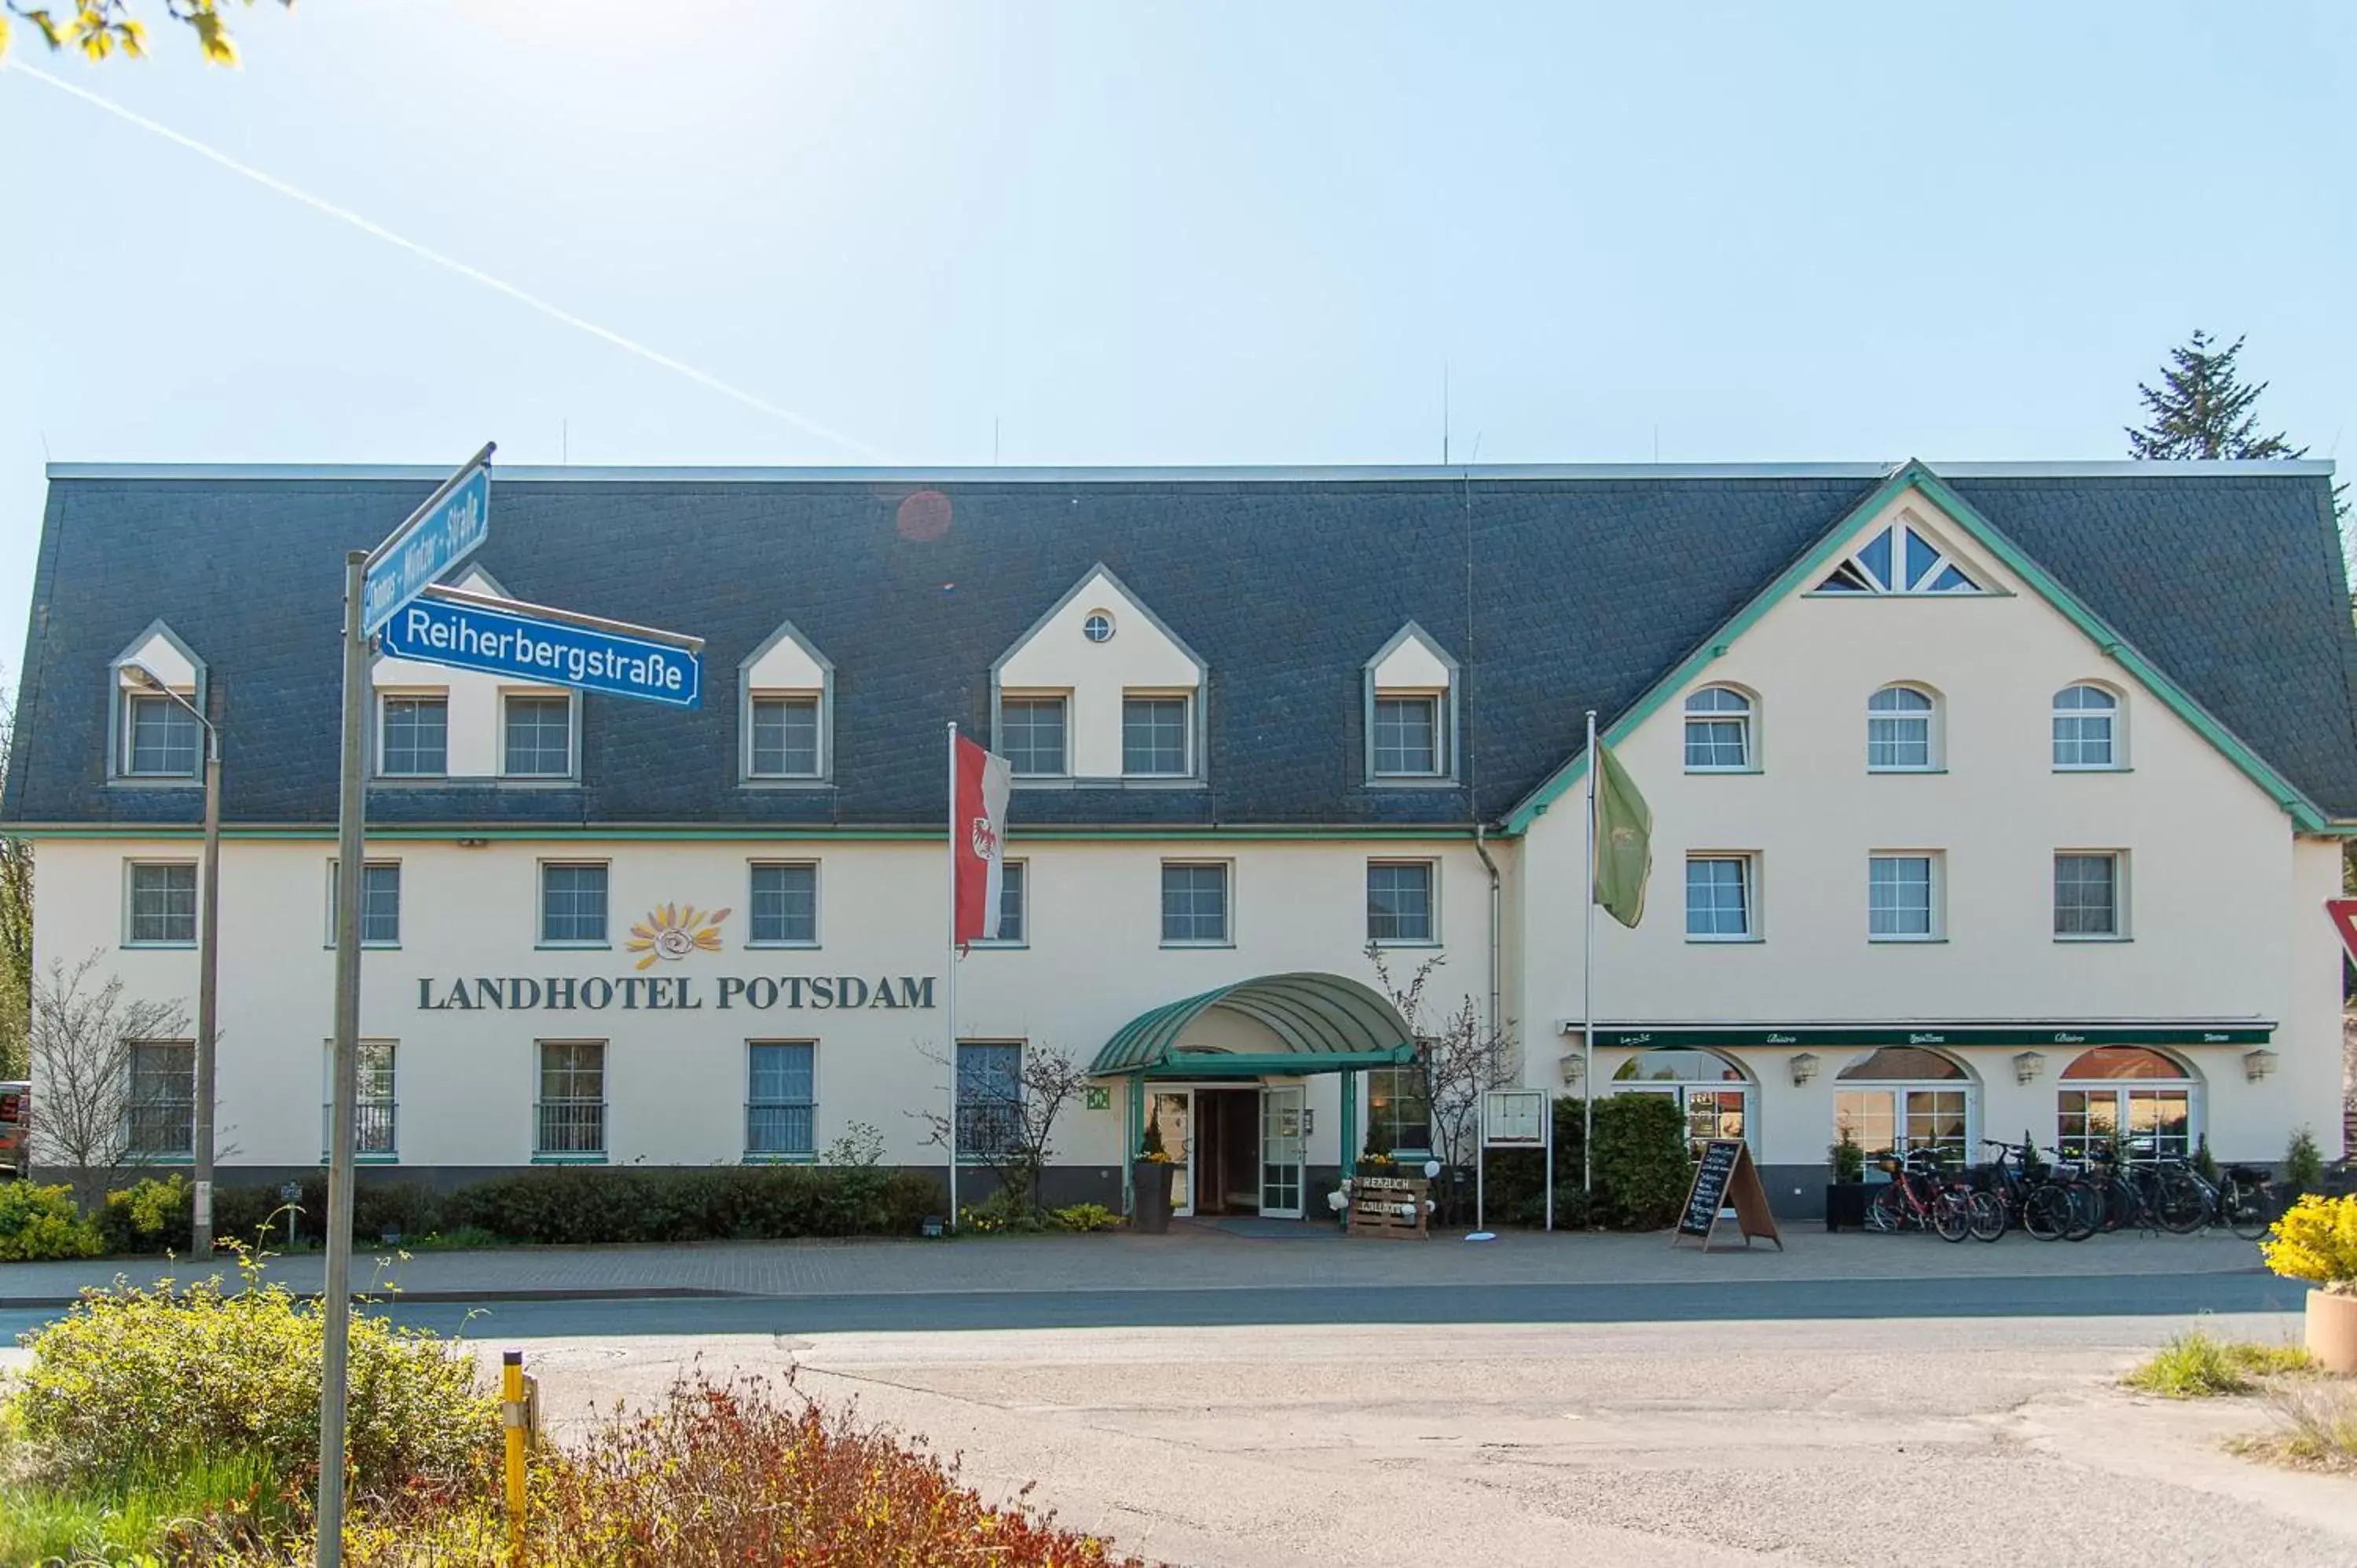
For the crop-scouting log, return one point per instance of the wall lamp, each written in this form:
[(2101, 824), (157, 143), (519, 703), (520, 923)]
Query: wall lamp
[(1804, 1067), (1574, 1068), (2028, 1065), (472, 844), (2258, 1064)]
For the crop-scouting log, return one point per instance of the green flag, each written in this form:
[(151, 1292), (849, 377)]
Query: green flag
[(1624, 841)]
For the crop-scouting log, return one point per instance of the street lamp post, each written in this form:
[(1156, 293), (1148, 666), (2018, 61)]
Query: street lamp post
[(208, 964)]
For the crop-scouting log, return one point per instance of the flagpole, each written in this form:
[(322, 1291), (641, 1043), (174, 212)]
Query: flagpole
[(949, 984), (1587, 999)]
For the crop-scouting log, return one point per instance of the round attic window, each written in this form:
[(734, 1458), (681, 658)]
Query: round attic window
[(1098, 628)]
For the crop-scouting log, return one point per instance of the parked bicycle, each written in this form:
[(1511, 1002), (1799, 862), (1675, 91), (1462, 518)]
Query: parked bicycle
[(2240, 1202), (1921, 1194)]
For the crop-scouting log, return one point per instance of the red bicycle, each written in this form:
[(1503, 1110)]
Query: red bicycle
[(1921, 1195)]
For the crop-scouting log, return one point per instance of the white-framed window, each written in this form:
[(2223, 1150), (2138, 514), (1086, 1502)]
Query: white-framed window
[(2086, 729), (2144, 1100), (1408, 736), (1402, 902), (160, 738), (1900, 732), (989, 1098), (536, 736), (160, 904), (1900, 1098), (1098, 626), (573, 904), (1033, 736), (1899, 559), (1719, 732), (787, 736), (376, 1110), (1711, 1091), (1195, 903), (1014, 894), (1399, 1110), (569, 1112), (2090, 894), (1154, 736), (784, 907), (160, 1110), (1903, 895), (1722, 897), (780, 1100), (414, 734), (380, 903)]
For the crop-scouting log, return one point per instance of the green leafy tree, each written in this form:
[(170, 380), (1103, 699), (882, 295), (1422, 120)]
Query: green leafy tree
[(2202, 408), (15, 922), (100, 28)]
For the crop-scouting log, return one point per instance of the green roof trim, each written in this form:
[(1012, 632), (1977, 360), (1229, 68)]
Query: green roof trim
[(1323, 1021), (2305, 815)]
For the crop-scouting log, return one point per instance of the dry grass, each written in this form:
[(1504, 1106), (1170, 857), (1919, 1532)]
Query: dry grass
[(2195, 1366), (2316, 1427)]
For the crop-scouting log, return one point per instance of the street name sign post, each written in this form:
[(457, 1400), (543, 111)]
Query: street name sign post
[(451, 525), (533, 643)]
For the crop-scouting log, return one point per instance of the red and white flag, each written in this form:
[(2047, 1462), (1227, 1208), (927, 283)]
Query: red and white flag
[(977, 834)]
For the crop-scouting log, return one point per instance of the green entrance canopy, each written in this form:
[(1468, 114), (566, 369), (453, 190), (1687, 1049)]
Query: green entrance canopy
[(1323, 1023)]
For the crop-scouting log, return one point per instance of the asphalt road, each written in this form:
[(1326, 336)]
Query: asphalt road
[(2041, 1296)]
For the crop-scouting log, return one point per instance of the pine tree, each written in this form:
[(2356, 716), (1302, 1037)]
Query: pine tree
[(2202, 409)]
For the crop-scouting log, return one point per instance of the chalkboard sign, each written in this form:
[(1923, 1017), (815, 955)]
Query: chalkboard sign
[(1725, 1178)]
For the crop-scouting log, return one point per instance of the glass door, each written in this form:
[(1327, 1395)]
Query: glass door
[(1283, 1150), (1171, 1113)]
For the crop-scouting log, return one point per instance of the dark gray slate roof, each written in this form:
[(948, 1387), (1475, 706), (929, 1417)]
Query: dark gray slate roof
[(1556, 594)]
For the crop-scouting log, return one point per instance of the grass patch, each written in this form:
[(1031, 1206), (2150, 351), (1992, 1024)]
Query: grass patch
[(2315, 1427), (152, 1510), (2195, 1366)]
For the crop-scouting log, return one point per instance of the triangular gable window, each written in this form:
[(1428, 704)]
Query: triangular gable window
[(1899, 560)]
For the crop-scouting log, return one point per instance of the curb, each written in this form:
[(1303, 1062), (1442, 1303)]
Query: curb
[(396, 1298)]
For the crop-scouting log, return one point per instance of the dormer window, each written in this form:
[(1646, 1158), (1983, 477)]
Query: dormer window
[(1070, 710), (1411, 711), (786, 711), (155, 693), (417, 739), (539, 737)]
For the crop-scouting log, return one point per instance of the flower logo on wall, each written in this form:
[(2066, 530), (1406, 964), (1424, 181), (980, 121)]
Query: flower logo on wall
[(671, 933)]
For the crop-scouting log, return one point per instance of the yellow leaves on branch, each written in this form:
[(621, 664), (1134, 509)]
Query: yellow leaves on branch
[(2315, 1240), (100, 28)]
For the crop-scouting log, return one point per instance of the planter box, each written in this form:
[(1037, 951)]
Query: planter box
[(1149, 1183), (2333, 1331), (1845, 1205)]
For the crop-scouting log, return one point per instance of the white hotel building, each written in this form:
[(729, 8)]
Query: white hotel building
[(2002, 798)]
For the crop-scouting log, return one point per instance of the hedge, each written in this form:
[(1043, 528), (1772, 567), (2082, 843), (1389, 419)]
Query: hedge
[(558, 1204), (1642, 1167)]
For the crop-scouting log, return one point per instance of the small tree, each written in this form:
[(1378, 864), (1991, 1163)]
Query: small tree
[(1461, 1057), (2202, 408), (80, 1040), (1009, 1124)]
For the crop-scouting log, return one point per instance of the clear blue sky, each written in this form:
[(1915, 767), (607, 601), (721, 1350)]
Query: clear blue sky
[(1197, 233)]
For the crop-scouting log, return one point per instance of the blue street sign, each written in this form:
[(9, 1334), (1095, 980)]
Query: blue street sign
[(447, 529), (556, 648)]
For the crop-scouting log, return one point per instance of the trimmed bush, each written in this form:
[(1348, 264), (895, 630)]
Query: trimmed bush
[(565, 1205), (1641, 1168), (111, 1388), (150, 1216), (38, 1224)]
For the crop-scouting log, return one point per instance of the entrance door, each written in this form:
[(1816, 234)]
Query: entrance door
[(1283, 1150), (1171, 1113)]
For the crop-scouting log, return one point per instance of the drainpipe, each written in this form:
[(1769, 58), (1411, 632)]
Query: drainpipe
[(1480, 829)]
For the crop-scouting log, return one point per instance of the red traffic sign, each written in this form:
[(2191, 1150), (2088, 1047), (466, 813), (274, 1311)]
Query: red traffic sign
[(2344, 917)]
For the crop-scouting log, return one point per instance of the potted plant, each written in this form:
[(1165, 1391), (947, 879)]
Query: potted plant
[(2317, 1241), (1845, 1194), (1149, 1180), (2303, 1170)]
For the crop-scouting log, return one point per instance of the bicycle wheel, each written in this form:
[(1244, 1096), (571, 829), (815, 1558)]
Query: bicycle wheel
[(2181, 1204), (1951, 1215), (2086, 1211), (2243, 1209), (2046, 1212), (1986, 1211), (2123, 1205), (1887, 1212)]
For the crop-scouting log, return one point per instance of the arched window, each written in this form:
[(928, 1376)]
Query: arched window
[(1718, 730), (1900, 559), (2140, 1099), (1906, 1096), (1711, 1091), (2086, 728), (1899, 731)]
